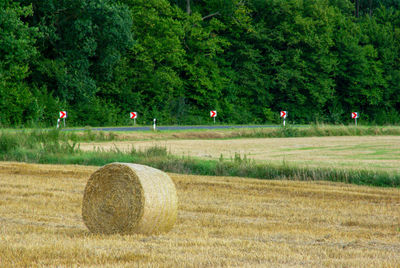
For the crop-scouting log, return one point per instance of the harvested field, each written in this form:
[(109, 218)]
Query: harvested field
[(221, 222), (366, 152)]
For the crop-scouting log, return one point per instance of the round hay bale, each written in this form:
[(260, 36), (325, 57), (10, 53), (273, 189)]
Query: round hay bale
[(129, 198)]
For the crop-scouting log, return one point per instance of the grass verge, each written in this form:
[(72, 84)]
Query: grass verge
[(317, 130), (54, 147)]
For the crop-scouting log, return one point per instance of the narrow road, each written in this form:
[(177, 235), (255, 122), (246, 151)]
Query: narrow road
[(170, 128)]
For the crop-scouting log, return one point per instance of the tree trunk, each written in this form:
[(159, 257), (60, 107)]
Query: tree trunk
[(188, 7), (357, 10), (370, 8)]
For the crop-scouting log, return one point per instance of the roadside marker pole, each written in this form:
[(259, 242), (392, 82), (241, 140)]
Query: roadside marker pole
[(283, 114), (63, 115), (133, 116), (213, 114), (154, 124), (355, 116)]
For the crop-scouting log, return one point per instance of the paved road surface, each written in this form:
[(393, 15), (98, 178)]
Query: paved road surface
[(170, 128)]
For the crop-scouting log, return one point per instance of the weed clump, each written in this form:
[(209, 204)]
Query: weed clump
[(8, 143)]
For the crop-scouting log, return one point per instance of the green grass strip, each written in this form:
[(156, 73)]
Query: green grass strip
[(55, 148)]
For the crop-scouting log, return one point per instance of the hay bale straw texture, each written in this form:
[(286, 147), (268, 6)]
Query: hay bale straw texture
[(129, 198)]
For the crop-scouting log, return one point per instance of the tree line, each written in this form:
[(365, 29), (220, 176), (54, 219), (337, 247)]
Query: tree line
[(176, 60)]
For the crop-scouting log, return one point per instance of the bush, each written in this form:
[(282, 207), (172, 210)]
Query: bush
[(8, 143)]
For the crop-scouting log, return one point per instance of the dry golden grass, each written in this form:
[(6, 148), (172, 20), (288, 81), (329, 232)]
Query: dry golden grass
[(182, 134), (365, 152), (221, 222)]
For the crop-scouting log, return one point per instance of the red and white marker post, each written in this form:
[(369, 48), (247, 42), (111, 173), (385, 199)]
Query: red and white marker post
[(284, 115), (63, 115), (355, 115), (213, 114), (133, 115)]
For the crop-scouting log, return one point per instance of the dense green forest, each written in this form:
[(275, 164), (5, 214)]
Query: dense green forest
[(177, 60)]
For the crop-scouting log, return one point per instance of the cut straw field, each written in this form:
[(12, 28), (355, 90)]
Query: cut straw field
[(362, 152), (221, 222)]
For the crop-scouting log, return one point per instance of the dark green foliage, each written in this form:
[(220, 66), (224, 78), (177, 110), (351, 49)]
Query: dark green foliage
[(80, 45), (101, 59), (152, 85), (16, 50), (368, 7)]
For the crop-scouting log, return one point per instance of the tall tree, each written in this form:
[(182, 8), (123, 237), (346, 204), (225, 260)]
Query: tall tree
[(367, 7), (16, 52), (156, 60), (296, 38), (359, 76), (81, 43)]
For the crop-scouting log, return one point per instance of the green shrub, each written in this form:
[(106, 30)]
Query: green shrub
[(8, 142)]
